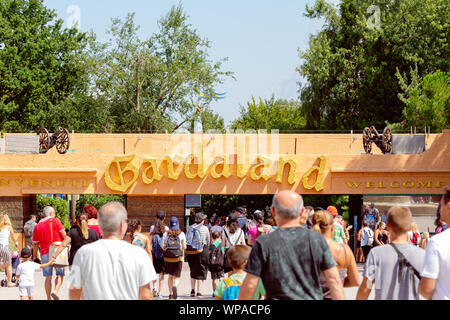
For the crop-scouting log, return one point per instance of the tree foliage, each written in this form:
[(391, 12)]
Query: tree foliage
[(426, 100), (350, 66), (270, 114), (39, 64), (61, 208)]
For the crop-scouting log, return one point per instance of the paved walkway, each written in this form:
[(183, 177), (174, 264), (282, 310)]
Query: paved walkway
[(184, 288)]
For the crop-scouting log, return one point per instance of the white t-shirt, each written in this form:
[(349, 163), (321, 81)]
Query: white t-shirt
[(366, 234), (437, 264), (4, 236), (111, 270), (26, 272), (182, 237)]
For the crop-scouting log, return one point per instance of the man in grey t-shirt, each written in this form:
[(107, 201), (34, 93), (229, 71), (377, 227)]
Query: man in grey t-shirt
[(383, 263)]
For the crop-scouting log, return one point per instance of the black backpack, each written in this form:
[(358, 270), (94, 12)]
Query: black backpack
[(173, 248), (216, 259)]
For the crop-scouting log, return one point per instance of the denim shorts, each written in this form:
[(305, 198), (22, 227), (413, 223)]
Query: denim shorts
[(48, 271)]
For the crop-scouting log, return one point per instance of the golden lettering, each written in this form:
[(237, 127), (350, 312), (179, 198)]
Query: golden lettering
[(47, 182), (292, 166), (440, 184), (74, 183), (152, 165), (370, 184), (85, 183), (200, 170), (318, 184), (19, 182), (353, 184), (240, 161), (5, 182), (380, 184), (33, 183), (264, 171), (408, 184), (422, 184), (122, 185), (171, 173), (392, 184), (226, 173), (58, 183)]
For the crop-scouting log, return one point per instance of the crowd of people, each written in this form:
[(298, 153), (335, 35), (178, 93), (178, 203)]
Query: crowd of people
[(298, 252)]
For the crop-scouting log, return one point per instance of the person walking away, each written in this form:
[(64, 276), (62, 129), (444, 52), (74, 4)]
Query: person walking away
[(414, 235), (232, 235), (158, 255), (216, 259), (197, 243), (295, 252), (48, 231), (92, 214), (393, 268), (228, 288), (110, 268), (435, 283), (25, 274), (339, 233), (323, 223), (359, 253), (381, 236), (259, 228), (78, 236), (28, 228), (216, 227), (139, 239), (7, 233), (366, 239), (425, 239), (173, 244)]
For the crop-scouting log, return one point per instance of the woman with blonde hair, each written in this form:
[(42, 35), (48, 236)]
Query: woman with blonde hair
[(6, 233), (323, 222), (425, 239), (414, 235)]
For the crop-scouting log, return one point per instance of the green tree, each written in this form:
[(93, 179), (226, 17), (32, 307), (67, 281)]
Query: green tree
[(97, 200), (350, 66), (270, 114), (61, 208), (39, 64), (426, 100), (152, 85)]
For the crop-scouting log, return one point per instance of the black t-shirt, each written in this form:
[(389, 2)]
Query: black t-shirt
[(289, 261), (77, 240)]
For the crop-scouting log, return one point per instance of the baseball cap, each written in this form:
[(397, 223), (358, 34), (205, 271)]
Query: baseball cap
[(240, 210), (199, 217), (25, 253), (160, 214), (174, 225), (332, 210)]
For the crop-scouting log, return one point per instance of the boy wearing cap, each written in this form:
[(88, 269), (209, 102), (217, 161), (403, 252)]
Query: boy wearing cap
[(25, 272), (339, 233)]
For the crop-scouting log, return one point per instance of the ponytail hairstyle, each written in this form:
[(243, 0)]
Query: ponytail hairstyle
[(82, 222), (159, 227), (322, 221), (134, 225), (259, 217)]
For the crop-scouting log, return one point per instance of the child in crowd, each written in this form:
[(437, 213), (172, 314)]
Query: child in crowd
[(25, 274), (228, 289), (216, 259)]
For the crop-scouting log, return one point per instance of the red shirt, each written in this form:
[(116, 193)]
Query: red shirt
[(42, 233), (96, 228)]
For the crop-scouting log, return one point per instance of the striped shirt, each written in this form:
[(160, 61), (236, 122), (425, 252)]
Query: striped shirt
[(204, 233), (339, 234)]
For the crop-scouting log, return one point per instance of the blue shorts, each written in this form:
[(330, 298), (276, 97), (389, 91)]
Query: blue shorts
[(48, 271)]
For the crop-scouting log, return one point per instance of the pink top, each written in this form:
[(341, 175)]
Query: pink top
[(254, 230), (96, 228)]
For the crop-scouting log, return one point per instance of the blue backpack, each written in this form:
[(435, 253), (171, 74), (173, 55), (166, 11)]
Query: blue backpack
[(157, 250), (194, 239), (232, 290)]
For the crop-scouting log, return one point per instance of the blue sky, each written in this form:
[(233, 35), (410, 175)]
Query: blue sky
[(260, 38)]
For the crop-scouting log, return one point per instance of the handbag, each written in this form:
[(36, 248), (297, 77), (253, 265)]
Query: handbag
[(62, 260)]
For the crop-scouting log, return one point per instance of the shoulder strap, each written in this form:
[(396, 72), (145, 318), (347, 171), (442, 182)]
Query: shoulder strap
[(238, 238), (403, 260)]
